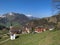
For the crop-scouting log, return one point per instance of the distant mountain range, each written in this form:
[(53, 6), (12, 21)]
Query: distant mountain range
[(14, 18), (22, 19)]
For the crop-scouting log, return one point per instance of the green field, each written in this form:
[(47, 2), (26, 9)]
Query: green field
[(45, 38), (3, 35)]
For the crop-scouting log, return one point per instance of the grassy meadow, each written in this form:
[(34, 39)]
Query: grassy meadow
[(44, 38)]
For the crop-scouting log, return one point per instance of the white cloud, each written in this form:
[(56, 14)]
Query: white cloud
[(29, 15)]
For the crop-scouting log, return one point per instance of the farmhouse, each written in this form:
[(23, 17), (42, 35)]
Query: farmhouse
[(40, 29), (26, 30), (13, 31)]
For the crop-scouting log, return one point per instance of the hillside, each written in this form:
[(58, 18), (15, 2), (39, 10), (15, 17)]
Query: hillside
[(22, 19), (53, 21), (45, 38)]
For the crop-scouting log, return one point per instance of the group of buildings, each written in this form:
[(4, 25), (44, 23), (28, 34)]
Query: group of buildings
[(25, 30)]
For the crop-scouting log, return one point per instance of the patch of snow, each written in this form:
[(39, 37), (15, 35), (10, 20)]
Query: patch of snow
[(2, 16), (10, 13)]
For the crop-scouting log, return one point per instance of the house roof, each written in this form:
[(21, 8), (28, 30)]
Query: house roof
[(15, 28)]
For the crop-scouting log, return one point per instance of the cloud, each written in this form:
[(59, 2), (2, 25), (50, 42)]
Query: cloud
[(29, 15)]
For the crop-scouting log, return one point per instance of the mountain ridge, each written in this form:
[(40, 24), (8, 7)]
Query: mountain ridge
[(23, 19)]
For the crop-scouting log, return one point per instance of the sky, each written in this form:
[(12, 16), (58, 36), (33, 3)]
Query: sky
[(36, 8)]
